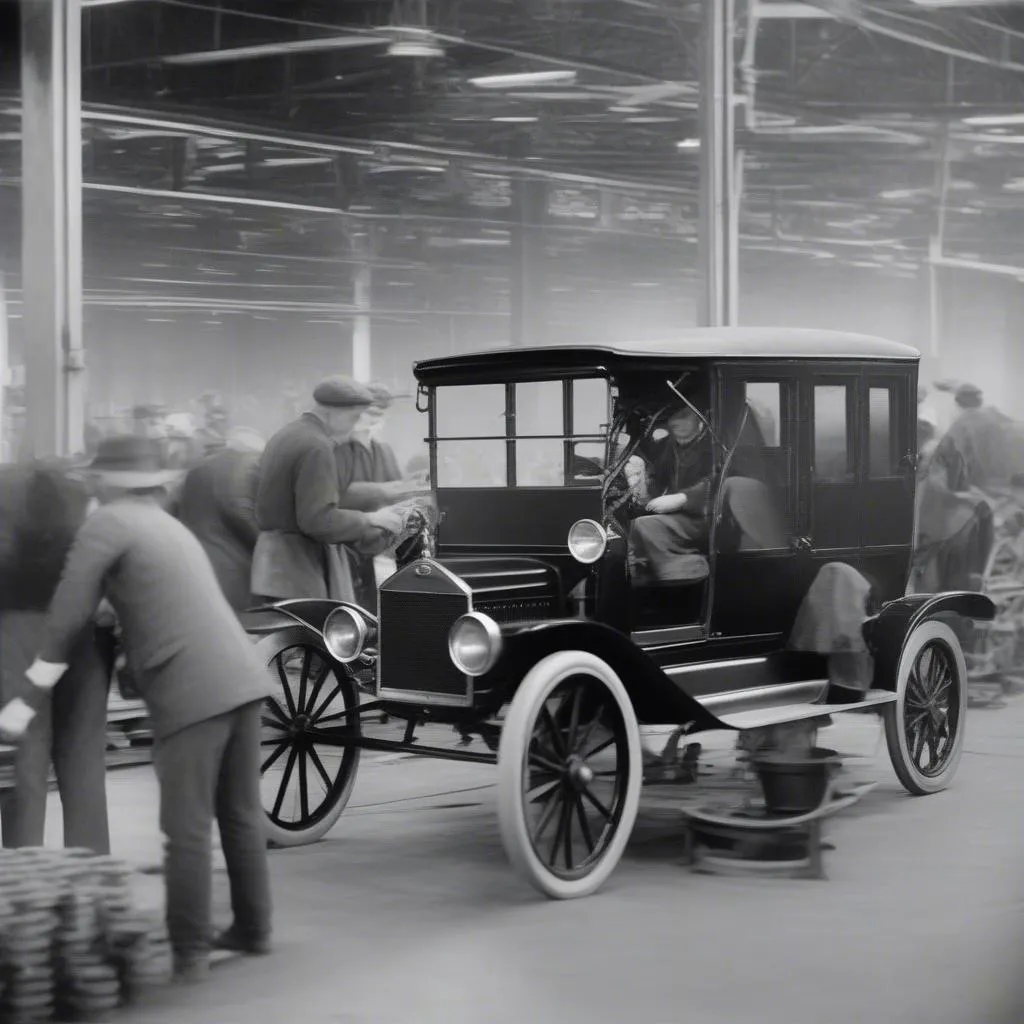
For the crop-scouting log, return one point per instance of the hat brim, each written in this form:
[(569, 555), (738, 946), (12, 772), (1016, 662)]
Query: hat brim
[(136, 480)]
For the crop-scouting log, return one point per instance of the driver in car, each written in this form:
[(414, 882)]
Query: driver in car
[(675, 526)]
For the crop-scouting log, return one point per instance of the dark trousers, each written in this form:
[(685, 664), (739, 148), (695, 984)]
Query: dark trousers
[(656, 543), (211, 771), (69, 731)]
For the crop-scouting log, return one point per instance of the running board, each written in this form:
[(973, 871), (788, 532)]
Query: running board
[(780, 714)]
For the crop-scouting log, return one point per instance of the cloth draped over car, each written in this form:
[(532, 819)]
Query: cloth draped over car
[(831, 622)]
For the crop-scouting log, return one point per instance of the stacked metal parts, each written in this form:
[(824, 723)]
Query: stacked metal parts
[(71, 945)]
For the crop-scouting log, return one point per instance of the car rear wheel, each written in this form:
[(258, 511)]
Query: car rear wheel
[(569, 775), (924, 728), (308, 766)]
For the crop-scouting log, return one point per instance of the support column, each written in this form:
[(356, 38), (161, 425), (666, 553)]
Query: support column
[(6, 454), (937, 242), (527, 293), (51, 200), (718, 197), (361, 327)]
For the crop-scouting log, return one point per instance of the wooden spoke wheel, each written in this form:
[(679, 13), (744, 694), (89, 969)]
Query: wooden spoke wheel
[(924, 728), (569, 774), (308, 768)]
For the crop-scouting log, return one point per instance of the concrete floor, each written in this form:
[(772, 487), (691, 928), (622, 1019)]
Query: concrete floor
[(409, 914)]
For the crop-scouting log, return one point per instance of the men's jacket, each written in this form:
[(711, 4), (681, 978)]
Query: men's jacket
[(300, 519), (217, 503), (190, 657), (362, 469), (298, 488), (41, 508), (682, 470)]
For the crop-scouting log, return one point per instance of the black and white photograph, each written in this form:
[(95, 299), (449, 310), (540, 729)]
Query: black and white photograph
[(512, 511)]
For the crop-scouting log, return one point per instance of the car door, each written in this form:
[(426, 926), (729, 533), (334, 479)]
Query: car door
[(755, 583), (886, 479), (887, 470), (834, 449)]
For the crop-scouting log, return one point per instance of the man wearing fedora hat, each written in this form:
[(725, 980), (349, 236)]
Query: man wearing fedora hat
[(201, 681), (303, 527)]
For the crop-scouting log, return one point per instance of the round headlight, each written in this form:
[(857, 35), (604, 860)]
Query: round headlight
[(587, 541), (474, 643), (345, 634)]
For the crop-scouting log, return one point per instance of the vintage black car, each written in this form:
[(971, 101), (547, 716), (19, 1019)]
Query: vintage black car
[(524, 619)]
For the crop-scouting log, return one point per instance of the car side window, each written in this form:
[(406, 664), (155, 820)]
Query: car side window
[(883, 458), (765, 401), (833, 449)]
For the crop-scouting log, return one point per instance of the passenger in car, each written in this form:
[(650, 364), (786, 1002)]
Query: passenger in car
[(662, 543)]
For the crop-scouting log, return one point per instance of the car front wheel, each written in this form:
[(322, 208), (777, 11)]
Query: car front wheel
[(309, 763), (569, 774)]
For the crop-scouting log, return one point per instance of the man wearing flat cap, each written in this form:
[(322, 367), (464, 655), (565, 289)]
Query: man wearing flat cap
[(304, 529)]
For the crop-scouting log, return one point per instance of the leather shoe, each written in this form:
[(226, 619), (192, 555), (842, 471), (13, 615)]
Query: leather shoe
[(230, 939)]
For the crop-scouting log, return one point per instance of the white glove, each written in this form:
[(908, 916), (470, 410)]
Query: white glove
[(15, 718), (45, 674)]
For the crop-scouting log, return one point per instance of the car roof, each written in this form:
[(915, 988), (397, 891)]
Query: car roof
[(710, 343)]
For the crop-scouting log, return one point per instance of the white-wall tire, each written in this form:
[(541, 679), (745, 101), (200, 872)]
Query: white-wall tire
[(929, 715), (328, 787), (578, 679)]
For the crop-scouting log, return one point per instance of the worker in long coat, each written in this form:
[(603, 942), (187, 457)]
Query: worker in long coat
[(41, 508), (304, 530), (200, 678)]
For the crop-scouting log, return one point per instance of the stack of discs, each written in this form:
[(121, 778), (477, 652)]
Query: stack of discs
[(79, 936), (142, 951), (112, 878), (6, 916), (28, 942), (90, 990), (69, 939)]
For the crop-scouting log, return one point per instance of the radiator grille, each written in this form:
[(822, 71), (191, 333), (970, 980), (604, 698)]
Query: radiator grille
[(414, 642)]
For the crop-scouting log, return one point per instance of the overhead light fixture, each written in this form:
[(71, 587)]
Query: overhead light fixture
[(524, 78), (260, 50), (102, 3), (990, 120), (512, 119), (688, 144), (412, 41)]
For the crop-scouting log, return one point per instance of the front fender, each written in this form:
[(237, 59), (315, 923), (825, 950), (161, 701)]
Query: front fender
[(656, 699), (887, 631), (309, 612)]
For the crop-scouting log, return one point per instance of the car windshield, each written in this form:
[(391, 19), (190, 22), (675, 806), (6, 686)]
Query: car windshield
[(542, 433)]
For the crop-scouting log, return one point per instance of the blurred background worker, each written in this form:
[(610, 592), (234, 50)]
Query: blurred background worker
[(217, 502), (200, 679), (41, 508)]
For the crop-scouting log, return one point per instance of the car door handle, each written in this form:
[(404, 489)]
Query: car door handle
[(802, 544)]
